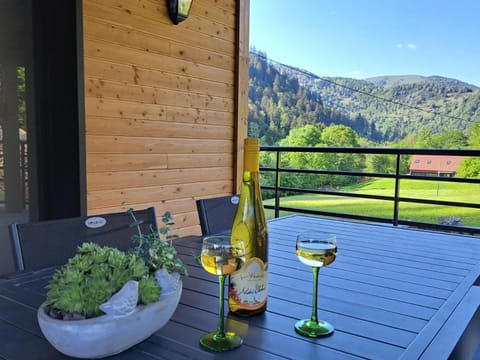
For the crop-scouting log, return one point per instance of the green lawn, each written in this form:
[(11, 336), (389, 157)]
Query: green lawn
[(418, 189)]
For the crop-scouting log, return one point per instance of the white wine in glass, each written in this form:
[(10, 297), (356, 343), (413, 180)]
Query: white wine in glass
[(221, 256), (315, 249)]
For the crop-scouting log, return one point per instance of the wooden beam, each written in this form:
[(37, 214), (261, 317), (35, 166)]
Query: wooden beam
[(241, 80)]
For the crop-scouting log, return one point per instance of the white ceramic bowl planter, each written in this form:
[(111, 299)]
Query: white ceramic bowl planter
[(108, 335)]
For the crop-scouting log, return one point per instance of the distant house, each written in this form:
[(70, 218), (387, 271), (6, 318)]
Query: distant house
[(435, 165)]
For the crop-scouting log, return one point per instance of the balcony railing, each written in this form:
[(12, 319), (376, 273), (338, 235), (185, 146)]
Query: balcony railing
[(281, 192)]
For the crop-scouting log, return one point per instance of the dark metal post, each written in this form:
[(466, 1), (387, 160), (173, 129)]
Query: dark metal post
[(397, 189), (277, 185)]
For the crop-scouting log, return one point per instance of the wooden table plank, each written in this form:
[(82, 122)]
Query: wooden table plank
[(23, 345), (359, 277), (277, 313), (459, 327), (259, 333), (187, 346), (24, 318), (278, 273), (431, 329)]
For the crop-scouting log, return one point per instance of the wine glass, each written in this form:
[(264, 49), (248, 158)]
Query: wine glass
[(221, 255), (315, 249)]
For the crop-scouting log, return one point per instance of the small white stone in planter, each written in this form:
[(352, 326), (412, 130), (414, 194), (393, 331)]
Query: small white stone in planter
[(122, 302)]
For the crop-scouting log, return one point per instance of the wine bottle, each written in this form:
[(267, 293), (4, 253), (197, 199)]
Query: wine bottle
[(247, 293)]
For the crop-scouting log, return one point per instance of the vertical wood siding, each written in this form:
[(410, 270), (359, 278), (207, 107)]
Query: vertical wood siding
[(162, 105)]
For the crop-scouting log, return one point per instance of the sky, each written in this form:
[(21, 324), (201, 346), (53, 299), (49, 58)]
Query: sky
[(367, 38)]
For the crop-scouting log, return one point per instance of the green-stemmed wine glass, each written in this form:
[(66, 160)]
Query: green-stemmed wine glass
[(315, 249), (221, 255)]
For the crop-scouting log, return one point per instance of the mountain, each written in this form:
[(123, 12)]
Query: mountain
[(385, 108), (397, 80)]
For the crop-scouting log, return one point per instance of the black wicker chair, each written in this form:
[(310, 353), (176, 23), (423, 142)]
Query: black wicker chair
[(216, 214), (37, 245)]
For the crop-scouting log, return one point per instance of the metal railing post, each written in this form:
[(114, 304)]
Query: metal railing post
[(397, 190), (277, 185)]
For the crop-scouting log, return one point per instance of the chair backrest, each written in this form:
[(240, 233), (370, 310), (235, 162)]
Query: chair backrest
[(216, 214), (36, 245)]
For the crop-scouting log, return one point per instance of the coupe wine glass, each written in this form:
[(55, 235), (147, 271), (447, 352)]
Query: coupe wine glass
[(221, 255), (315, 249)]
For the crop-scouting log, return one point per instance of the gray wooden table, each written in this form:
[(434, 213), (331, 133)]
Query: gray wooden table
[(392, 293)]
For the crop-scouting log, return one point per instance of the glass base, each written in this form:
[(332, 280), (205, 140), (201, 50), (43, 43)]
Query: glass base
[(215, 342), (313, 329)]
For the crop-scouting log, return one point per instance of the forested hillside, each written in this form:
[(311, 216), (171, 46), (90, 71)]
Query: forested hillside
[(380, 109), (278, 103)]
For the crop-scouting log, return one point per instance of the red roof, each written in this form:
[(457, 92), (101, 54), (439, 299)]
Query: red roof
[(435, 163)]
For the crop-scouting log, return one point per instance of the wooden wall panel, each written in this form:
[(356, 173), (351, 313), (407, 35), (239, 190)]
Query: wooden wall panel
[(142, 59), (156, 129), (164, 104), (125, 162), (148, 178), (145, 195), (142, 145), (145, 95), (99, 69)]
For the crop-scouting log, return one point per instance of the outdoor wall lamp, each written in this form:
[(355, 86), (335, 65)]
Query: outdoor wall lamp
[(179, 9)]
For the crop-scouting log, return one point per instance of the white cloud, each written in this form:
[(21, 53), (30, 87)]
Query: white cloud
[(410, 46)]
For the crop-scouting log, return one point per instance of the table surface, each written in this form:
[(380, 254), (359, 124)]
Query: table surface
[(391, 293)]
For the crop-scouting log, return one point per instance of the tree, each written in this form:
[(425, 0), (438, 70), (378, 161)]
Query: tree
[(449, 139), (470, 167), (474, 136), (339, 135), (382, 163), (424, 138), (309, 135)]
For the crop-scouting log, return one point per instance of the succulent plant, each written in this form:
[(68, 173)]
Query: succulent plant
[(92, 276)]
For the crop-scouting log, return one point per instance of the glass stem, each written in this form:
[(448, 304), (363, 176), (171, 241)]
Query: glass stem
[(314, 316), (220, 333)]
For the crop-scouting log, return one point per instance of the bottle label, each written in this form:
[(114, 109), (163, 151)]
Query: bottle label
[(248, 286)]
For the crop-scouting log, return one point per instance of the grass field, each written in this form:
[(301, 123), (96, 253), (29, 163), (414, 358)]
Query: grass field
[(432, 190)]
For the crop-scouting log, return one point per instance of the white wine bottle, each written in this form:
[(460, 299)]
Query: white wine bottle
[(247, 293)]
